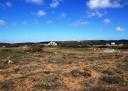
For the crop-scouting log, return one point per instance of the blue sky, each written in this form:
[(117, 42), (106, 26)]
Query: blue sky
[(44, 20)]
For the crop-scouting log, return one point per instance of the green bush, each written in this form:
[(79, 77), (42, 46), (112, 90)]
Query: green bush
[(34, 49), (13, 55), (124, 65), (50, 82), (78, 73), (6, 85)]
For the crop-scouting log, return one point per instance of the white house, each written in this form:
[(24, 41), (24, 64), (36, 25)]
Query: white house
[(113, 43), (52, 43), (3, 46)]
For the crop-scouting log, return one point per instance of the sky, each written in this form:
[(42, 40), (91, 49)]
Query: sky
[(47, 20)]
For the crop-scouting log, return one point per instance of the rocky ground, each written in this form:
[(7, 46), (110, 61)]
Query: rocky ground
[(63, 69)]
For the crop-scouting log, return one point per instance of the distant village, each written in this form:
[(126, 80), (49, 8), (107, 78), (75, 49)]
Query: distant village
[(86, 43)]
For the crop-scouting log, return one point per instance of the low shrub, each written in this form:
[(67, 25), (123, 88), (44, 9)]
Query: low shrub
[(50, 82), (34, 49), (7, 85), (123, 65), (79, 73)]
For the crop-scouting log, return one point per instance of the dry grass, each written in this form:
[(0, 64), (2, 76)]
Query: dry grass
[(62, 69)]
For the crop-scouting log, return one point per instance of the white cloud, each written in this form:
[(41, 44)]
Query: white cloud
[(38, 2), (102, 4), (41, 13), (55, 3), (3, 23), (79, 23), (95, 13), (9, 4), (119, 29), (107, 21)]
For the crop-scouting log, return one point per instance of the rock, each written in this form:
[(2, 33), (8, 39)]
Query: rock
[(10, 62)]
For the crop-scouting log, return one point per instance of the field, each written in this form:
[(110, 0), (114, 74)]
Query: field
[(63, 69)]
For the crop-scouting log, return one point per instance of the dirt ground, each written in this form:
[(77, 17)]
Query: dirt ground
[(63, 69)]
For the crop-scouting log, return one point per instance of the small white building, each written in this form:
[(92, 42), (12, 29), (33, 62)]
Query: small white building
[(52, 43), (113, 43), (3, 46)]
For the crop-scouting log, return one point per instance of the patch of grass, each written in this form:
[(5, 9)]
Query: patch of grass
[(4, 53), (51, 81), (13, 55), (34, 49), (6, 85), (111, 77), (123, 65), (101, 88), (3, 64), (57, 59), (79, 73)]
